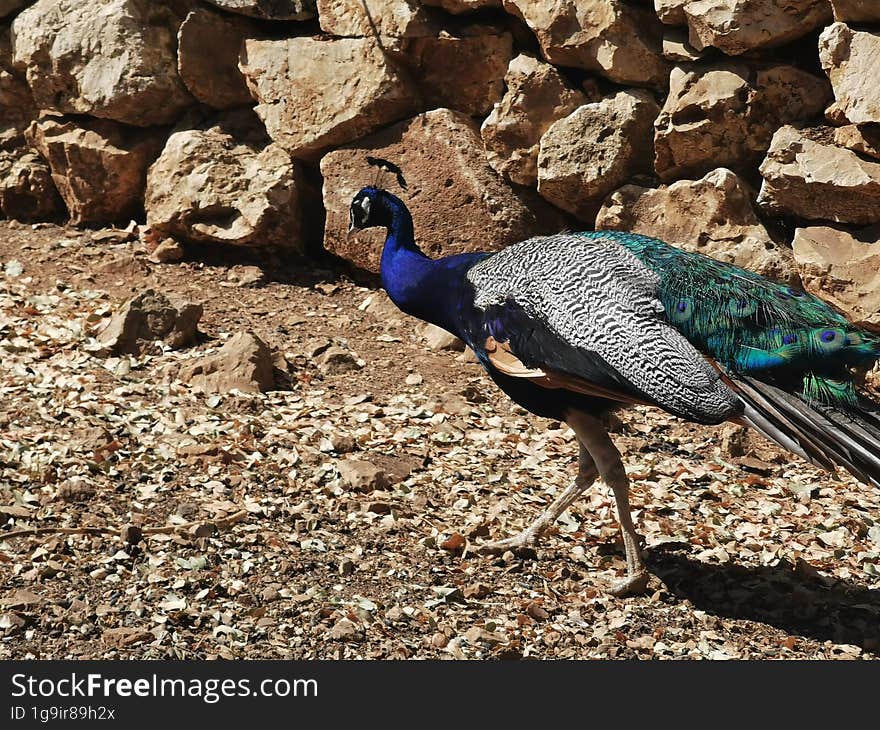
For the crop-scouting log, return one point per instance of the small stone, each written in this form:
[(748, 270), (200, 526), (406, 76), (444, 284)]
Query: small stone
[(362, 476), (148, 317), (335, 360), (243, 363), (269, 594), (344, 630), (247, 276), (413, 379), (131, 534), (439, 640), (168, 251), (343, 443)]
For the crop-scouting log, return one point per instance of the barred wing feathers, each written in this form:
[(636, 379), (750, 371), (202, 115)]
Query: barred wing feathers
[(586, 310)]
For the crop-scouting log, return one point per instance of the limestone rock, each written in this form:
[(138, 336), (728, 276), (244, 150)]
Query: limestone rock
[(315, 94), (462, 6), (367, 18), (146, 318), (269, 9), (726, 115), (536, 97), (98, 166), (458, 202), (462, 73), (609, 37), (27, 192), (861, 138), (216, 185), (738, 26), (713, 216), (842, 269), (851, 58), (594, 150), (243, 363), (819, 181), (856, 11), (114, 59), (671, 12), (208, 45)]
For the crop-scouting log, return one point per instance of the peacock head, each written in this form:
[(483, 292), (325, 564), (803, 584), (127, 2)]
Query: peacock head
[(367, 209)]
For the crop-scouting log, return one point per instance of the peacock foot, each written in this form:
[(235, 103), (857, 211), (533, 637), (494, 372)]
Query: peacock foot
[(632, 585), (524, 541)]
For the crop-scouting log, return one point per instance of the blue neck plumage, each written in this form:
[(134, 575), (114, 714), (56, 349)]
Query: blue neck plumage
[(425, 288)]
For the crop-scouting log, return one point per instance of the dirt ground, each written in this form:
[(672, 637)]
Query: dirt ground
[(268, 552)]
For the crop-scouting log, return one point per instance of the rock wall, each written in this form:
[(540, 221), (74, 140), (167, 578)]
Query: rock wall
[(730, 127)]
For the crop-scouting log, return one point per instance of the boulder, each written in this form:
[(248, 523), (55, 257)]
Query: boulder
[(314, 94), (609, 37), (739, 26), (726, 115), (210, 71), (819, 181), (458, 202), (713, 216), (861, 138), (671, 12), (243, 363), (856, 11), (462, 6), (146, 318), (114, 59), (850, 58), (842, 269), (27, 192), (368, 18), (98, 166), (462, 73), (594, 150), (536, 97), (225, 184), (269, 9)]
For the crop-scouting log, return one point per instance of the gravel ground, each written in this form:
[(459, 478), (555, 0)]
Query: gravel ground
[(204, 526)]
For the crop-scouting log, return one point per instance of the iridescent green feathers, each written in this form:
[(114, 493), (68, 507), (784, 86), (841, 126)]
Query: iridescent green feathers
[(752, 325)]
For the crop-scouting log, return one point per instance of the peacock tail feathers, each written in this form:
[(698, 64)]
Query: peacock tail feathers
[(752, 325)]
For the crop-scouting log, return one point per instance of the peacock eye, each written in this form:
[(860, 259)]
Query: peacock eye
[(795, 293), (742, 308), (789, 339), (829, 340), (682, 310)]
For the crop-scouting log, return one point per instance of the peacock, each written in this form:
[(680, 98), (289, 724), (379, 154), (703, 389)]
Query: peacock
[(572, 326)]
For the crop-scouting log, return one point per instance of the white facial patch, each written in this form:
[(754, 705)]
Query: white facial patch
[(365, 204)]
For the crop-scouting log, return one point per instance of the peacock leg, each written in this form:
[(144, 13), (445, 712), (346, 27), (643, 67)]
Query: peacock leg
[(595, 438), (586, 475)]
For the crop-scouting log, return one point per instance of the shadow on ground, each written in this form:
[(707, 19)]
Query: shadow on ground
[(789, 597)]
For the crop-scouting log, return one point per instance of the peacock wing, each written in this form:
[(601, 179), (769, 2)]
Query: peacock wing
[(585, 312)]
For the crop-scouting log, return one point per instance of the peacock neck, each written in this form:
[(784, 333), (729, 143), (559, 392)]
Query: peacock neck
[(422, 287)]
